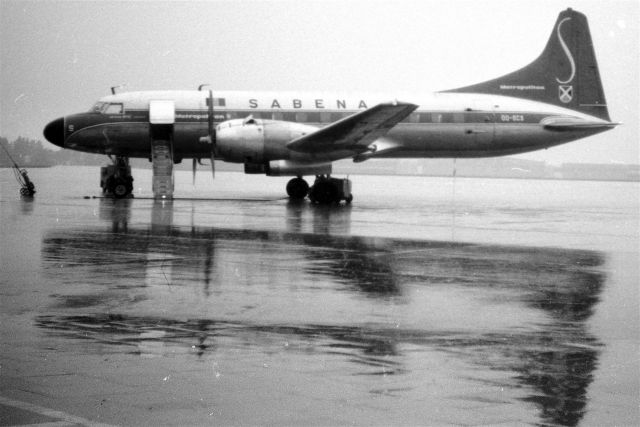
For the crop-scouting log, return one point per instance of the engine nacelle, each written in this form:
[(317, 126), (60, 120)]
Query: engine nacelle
[(253, 140), (240, 141), (289, 168)]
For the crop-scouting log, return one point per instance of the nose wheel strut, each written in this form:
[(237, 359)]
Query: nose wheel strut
[(116, 179)]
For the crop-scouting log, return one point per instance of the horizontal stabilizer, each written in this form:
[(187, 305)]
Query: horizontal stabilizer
[(571, 123)]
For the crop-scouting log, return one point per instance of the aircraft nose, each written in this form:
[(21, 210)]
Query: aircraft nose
[(54, 132)]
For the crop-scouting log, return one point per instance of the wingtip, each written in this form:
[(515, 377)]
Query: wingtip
[(397, 103), (411, 105)]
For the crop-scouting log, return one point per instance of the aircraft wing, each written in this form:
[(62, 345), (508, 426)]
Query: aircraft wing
[(355, 132)]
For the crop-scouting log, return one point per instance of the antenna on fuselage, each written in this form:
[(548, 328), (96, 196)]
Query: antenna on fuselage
[(113, 88)]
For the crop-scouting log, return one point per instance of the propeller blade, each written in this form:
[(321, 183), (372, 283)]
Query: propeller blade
[(213, 165), (212, 135), (195, 162)]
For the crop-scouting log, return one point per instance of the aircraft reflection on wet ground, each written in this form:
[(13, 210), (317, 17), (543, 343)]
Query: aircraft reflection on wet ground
[(142, 289)]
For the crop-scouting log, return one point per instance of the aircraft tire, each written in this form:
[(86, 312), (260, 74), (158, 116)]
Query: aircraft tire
[(121, 188), (297, 189), (324, 193)]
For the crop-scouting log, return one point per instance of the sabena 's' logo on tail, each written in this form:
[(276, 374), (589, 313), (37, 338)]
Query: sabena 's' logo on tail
[(565, 91), (565, 73)]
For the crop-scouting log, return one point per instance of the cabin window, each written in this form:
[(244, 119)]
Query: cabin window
[(313, 118), (114, 109), (289, 117), (436, 118), (411, 118), (325, 117), (338, 116), (301, 117), (276, 116), (425, 118), (458, 117)]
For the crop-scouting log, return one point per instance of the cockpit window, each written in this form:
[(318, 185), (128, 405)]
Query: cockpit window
[(107, 108), (113, 109), (98, 107)]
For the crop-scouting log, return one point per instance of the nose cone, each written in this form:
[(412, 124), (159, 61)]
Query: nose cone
[(54, 132)]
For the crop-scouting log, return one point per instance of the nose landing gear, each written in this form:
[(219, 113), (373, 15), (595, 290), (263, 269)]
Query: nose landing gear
[(116, 180)]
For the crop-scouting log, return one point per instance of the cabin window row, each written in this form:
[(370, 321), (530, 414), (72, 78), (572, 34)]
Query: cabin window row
[(305, 117), (330, 117)]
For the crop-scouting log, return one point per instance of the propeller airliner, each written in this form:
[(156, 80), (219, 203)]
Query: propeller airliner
[(556, 99)]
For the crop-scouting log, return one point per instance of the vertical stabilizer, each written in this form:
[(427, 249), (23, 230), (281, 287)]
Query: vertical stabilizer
[(565, 74)]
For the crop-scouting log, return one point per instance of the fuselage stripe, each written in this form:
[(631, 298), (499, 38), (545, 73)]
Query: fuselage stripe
[(328, 116)]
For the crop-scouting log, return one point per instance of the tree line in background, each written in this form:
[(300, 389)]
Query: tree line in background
[(32, 153)]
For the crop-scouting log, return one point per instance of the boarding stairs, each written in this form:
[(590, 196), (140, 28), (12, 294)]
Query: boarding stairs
[(161, 121), (162, 160)]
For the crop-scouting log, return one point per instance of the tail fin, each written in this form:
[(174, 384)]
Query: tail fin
[(565, 74)]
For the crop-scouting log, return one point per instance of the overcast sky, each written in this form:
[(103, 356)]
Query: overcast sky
[(59, 57)]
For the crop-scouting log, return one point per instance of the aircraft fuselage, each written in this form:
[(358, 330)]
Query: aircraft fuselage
[(555, 99), (444, 124)]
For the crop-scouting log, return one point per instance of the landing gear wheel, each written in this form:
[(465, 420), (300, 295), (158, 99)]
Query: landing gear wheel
[(327, 190), (116, 180), (297, 189), (120, 189), (324, 193)]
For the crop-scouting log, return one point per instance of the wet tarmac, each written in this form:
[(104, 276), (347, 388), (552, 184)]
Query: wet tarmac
[(428, 301)]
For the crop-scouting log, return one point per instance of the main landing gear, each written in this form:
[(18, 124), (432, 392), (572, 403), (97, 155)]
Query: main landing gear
[(116, 180), (325, 190), (297, 188)]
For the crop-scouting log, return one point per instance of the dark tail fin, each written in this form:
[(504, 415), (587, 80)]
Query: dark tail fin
[(565, 74)]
